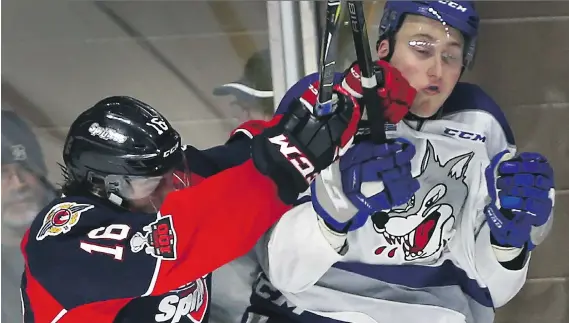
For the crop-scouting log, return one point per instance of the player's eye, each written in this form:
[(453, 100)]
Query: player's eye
[(422, 47), (451, 59)]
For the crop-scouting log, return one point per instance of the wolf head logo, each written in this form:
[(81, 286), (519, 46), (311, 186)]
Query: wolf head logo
[(423, 225)]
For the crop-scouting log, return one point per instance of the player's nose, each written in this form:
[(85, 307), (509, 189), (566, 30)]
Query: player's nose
[(435, 71)]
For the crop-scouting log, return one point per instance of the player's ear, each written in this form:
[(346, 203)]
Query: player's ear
[(383, 49)]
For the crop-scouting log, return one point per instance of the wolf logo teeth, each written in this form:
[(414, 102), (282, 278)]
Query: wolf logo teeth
[(424, 224)]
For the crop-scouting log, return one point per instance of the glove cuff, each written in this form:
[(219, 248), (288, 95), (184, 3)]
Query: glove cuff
[(505, 254), (271, 163), (337, 240)]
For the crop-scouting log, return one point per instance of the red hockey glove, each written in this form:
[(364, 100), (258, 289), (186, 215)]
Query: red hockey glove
[(396, 94), (298, 145), (249, 128)]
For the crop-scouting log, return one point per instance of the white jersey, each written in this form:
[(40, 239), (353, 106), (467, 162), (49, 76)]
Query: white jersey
[(231, 285), (430, 258)]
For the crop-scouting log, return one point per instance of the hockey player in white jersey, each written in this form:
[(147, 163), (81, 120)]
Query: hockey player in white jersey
[(379, 248)]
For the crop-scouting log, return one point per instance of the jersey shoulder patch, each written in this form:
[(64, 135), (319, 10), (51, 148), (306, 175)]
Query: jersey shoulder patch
[(61, 217), (158, 239)]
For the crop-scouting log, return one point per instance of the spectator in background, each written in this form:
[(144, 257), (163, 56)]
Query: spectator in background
[(25, 191), (253, 93), (253, 98)]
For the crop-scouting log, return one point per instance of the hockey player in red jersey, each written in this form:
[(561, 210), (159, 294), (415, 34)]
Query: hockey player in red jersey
[(134, 238)]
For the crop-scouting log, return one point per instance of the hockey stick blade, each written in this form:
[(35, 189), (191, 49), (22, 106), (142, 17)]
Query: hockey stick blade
[(368, 75), (328, 53)]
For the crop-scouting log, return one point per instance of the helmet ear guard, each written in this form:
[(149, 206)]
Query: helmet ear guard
[(470, 52), (390, 23)]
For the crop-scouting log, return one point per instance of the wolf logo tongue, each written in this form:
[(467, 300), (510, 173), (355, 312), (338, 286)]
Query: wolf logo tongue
[(422, 226), (422, 235)]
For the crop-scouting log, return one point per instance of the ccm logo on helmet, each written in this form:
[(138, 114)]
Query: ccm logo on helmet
[(295, 157), (171, 150), (454, 5)]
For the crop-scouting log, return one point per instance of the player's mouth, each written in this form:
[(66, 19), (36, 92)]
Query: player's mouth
[(432, 90), (415, 241)]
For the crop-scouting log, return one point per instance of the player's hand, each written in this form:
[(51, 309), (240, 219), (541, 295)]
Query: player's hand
[(521, 192), (298, 145), (396, 94), (369, 178)]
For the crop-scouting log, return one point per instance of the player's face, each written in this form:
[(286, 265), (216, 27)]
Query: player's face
[(148, 194), (23, 195), (152, 202), (429, 55)]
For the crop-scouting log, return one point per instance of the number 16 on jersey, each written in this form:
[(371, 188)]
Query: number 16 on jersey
[(116, 233)]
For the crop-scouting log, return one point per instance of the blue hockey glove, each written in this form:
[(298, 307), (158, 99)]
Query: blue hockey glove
[(521, 191), (369, 178)]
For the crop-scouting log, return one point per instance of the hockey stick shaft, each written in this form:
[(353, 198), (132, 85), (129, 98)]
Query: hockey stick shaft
[(328, 53), (368, 74)]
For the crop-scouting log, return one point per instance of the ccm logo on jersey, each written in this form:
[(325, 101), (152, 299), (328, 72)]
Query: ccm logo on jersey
[(190, 301), (464, 134), (263, 288), (61, 218), (159, 240), (295, 157)]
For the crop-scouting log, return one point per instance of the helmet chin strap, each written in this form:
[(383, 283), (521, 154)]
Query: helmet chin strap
[(154, 205), (116, 199), (123, 203)]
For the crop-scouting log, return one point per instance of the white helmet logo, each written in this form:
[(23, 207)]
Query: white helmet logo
[(107, 133)]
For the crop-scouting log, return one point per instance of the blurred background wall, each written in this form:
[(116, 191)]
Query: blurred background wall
[(523, 63), (60, 57)]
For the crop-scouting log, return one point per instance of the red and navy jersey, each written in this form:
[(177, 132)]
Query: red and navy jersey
[(89, 261)]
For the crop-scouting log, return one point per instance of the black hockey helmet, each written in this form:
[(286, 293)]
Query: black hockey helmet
[(124, 150)]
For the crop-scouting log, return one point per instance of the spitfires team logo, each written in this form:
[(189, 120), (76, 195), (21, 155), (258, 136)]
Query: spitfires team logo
[(61, 218), (158, 241), (190, 301)]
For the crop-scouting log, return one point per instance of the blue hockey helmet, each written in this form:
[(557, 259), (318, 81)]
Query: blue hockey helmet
[(460, 15)]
